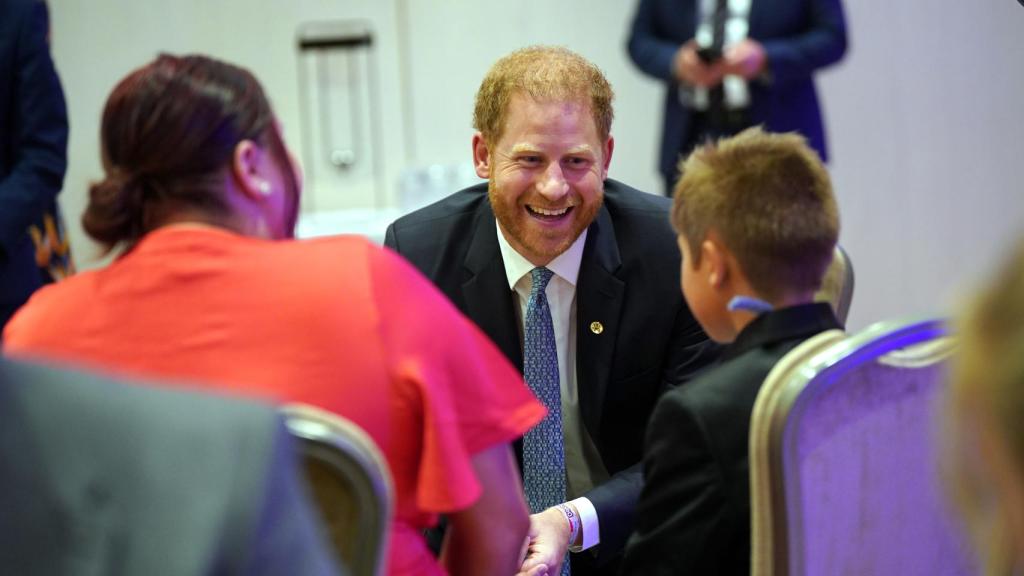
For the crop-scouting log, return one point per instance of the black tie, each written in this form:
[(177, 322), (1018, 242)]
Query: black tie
[(716, 95)]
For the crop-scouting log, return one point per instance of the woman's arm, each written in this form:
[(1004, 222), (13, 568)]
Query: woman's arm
[(487, 537)]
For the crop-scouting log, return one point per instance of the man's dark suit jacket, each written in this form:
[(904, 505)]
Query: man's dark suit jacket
[(694, 513), (33, 144), (628, 281), (108, 479), (799, 37)]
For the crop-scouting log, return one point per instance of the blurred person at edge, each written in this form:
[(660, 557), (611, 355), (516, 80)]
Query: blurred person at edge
[(985, 421), (33, 146)]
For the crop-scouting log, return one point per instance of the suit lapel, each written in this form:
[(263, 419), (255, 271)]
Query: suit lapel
[(599, 296), (488, 298)]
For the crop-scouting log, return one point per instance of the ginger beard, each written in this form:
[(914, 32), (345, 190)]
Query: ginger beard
[(540, 237), (545, 174)]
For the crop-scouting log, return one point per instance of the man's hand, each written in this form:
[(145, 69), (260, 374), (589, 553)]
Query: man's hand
[(745, 58), (546, 545), (690, 69)]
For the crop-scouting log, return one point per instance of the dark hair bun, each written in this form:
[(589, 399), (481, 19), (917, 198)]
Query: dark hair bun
[(115, 211)]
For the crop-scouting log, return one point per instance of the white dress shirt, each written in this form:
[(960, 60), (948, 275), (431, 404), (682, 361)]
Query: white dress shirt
[(583, 464), (737, 94)]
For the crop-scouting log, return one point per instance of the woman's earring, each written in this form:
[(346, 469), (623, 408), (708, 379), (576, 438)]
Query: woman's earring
[(263, 187)]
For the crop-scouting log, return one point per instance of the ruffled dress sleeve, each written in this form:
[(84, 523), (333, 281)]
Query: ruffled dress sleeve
[(471, 398)]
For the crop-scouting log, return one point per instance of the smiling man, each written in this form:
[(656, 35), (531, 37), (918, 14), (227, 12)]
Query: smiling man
[(576, 278)]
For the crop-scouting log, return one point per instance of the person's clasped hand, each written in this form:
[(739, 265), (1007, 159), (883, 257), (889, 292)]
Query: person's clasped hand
[(745, 58), (689, 68), (546, 544)]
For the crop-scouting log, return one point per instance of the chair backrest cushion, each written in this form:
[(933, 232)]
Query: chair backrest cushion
[(837, 285), (350, 483), (860, 461)]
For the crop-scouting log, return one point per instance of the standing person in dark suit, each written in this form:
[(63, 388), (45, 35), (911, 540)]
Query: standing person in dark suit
[(757, 225), (760, 63), (549, 230), (102, 478), (33, 145)]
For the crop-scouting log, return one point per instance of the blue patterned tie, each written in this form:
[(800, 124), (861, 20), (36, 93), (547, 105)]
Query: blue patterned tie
[(543, 450)]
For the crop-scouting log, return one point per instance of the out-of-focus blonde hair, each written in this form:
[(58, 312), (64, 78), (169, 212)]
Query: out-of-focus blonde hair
[(985, 431)]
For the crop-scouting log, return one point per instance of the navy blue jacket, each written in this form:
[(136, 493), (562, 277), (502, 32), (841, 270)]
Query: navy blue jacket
[(33, 144), (694, 514)]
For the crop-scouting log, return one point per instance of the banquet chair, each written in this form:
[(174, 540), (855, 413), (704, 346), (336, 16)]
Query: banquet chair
[(844, 462), (837, 285), (350, 483)]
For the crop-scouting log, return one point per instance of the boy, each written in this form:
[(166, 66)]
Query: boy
[(756, 223)]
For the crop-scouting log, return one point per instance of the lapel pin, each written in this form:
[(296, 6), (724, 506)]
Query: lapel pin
[(596, 327)]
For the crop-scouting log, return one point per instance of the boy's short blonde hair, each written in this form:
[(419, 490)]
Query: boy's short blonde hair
[(769, 198), (543, 73)]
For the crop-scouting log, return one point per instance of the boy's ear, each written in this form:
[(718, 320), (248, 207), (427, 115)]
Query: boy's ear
[(713, 253), (481, 156)]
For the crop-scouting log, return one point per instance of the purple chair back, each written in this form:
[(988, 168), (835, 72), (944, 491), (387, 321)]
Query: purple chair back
[(849, 454)]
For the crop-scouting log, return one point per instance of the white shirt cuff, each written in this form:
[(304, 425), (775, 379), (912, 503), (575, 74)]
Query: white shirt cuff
[(589, 527)]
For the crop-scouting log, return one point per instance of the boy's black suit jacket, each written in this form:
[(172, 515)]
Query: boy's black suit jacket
[(694, 514)]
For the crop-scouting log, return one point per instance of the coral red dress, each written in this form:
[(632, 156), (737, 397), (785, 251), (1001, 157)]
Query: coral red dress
[(334, 322)]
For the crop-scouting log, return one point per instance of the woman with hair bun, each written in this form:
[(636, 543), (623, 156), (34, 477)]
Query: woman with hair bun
[(200, 200)]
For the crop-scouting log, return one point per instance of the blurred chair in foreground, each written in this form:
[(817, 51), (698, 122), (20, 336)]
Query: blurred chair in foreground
[(99, 477), (351, 483), (844, 475), (837, 285)]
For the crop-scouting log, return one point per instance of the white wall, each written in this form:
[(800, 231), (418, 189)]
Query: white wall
[(928, 133), (924, 116)]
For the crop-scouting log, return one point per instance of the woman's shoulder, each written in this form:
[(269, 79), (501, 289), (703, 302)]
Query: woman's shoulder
[(50, 306), (326, 249), (71, 290), (346, 266)]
